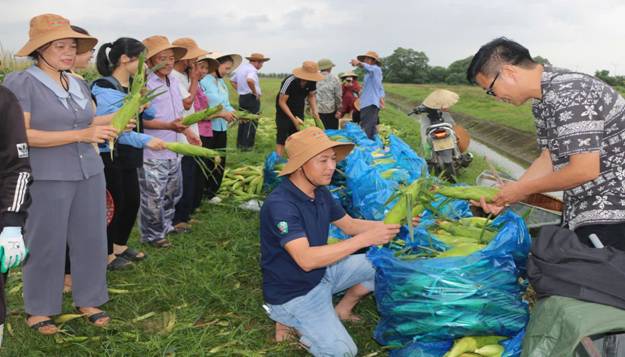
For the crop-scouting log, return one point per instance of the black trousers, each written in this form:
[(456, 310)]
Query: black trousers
[(611, 235), (219, 140), (190, 190), (329, 120), (246, 134), (369, 118)]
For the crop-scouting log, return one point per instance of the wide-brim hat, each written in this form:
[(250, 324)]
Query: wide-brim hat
[(50, 27), (308, 143), (370, 54), (193, 50), (325, 64), (309, 71), (156, 44), (348, 74), (441, 99), (236, 58), (259, 57), (212, 63)]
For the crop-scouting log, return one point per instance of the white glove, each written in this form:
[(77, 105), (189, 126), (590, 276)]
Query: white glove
[(13, 251)]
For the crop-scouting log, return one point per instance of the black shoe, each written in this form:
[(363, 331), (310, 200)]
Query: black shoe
[(119, 263)]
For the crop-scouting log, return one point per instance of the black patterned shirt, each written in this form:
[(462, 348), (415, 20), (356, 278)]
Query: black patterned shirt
[(578, 114)]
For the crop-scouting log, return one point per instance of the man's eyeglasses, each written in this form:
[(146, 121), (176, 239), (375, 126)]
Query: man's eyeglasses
[(490, 91)]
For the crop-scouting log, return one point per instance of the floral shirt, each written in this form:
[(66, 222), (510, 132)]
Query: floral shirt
[(578, 114), (329, 94)]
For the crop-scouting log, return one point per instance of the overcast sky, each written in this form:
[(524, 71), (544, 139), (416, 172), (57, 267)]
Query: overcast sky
[(576, 34)]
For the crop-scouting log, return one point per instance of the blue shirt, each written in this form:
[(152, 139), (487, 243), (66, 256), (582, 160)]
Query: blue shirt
[(288, 214), (217, 93), (372, 89)]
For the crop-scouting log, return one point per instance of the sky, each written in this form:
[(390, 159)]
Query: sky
[(575, 34)]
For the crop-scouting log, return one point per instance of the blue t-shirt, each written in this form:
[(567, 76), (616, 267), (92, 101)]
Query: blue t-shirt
[(288, 214)]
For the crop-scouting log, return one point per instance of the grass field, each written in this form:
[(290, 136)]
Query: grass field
[(473, 101), (200, 297)]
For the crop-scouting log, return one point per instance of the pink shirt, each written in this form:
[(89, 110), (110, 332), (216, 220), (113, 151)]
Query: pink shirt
[(201, 103)]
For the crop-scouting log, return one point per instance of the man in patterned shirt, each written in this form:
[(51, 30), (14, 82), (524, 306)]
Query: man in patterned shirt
[(580, 124)]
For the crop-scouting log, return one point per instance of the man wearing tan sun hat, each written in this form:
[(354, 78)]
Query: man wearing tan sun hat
[(160, 177), (300, 270), (372, 94), (187, 72), (291, 101)]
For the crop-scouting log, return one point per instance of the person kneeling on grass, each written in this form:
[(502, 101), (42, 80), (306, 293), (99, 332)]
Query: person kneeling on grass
[(300, 270)]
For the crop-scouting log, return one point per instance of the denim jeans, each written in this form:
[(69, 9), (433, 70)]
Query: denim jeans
[(313, 315)]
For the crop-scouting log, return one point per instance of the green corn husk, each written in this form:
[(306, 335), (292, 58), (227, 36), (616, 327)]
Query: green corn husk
[(193, 150), (247, 116), (474, 193), (201, 115)]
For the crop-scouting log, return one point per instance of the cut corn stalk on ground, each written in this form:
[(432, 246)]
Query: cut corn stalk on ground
[(242, 183)]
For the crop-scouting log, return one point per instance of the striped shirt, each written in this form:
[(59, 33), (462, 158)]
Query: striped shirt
[(297, 93)]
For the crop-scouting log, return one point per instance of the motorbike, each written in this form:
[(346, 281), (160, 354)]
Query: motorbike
[(446, 157)]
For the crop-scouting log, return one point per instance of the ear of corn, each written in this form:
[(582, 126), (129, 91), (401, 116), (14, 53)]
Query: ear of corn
[(192, 150), (474, 193), (242, 183), (247, 116), (201, 115)]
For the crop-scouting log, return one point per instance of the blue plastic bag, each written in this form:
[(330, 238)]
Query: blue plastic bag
[(439, 300), (270, 178)]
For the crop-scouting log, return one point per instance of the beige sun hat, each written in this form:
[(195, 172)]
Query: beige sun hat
[(158, 43), (193, 50), (370, 54), (308, 143), (441, 99), (348, 74), (50, 27), (236, 58), (309, 71), (212, 63), (259, 57)]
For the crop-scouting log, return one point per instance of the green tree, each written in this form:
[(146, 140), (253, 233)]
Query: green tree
[(406, 65), (457, 71), (437, 74)]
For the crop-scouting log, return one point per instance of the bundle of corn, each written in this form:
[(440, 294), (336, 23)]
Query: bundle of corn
[(242, 183), (198, 153), (201, 115), (477, 346), (133, 101), (385, 131)]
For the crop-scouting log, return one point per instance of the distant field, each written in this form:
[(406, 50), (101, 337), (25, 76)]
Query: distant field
[(473, 101)]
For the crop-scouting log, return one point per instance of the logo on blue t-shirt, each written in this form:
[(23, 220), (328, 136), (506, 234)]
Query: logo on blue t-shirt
[(283, 227)]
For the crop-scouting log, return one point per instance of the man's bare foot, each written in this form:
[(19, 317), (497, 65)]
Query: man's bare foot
[(352, 296), (284, 333), (67, 284)]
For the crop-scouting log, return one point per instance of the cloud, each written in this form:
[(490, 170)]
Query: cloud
[(571, 33)]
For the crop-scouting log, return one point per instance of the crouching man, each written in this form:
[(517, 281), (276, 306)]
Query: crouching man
[(300, 270)]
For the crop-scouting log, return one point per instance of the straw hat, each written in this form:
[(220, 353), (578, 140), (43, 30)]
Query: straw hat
[(212, 63), (50, 27), (325, 64), (193, 50), (156, 44), (370, 54), (309, 71), (348, 74), (259, 57), (236, 59), (441, 99), (308, 143)]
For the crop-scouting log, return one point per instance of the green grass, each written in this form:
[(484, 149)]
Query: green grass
[(210, 281), (473, 101)]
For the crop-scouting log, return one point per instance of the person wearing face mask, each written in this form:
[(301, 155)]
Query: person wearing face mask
[(216, 90), (160, 177), (68, 190)]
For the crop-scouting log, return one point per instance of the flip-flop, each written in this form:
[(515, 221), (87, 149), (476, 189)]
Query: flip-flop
[(161, 243), (93, 318), (132, 255), (118, 263), (41, 324)]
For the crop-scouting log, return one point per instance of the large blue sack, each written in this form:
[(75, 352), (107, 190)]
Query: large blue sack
[(431, 302), (270, 178)]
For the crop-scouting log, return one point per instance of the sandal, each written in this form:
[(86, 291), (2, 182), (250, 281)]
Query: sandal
[(118, 263), (93, 318), (161, 243), (42, 324), (132, 255)]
